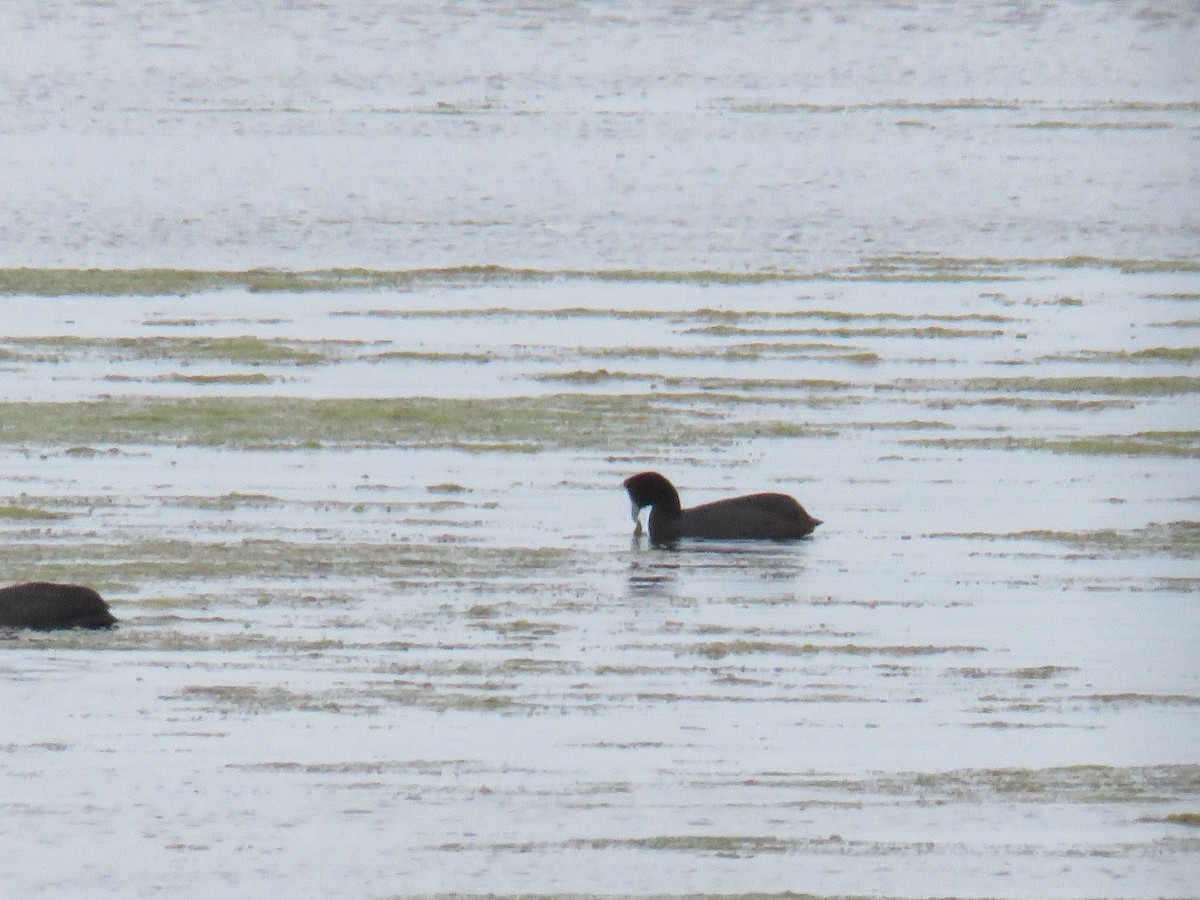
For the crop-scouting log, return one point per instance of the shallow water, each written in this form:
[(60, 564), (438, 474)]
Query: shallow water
[(385, 630), (735, 137)]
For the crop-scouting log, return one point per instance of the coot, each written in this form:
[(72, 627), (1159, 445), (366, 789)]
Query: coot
[(44, 606), (769, 517)]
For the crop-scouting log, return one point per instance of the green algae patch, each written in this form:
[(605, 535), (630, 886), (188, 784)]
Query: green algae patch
[(245, 378), (1025, 673), (926, 332), (1147, 355), (258, 699), (511, 424), (229, 501), (982, 266), (1136, 106), (1064, 124), (244, 349), (369, 699), (239, 378), (703, 315), (521, 423), (1182, 444), (1146, 443), (726, 846), (731, 846), (255, 699), (183, 282), (129, 636), (29, 513), (109, 282), (1180, 296), (964, 104), (748, 353), (1082, 784), (1133, 698), (432, 357), (523, 628), (102, 564), (61, 282), (702, 383), (1111, 385), (742, 647), (1192, 820), (1177, 539), (447, 487), (241, 349), (838, 315)]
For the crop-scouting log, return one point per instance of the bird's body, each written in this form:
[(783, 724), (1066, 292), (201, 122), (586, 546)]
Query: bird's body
[(46, 606), (770, 516)]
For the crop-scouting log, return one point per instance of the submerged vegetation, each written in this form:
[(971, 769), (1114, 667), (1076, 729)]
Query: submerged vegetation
[(1178, 539), (740, 647), (182, 282), (514, 423), (155, 559), (1082, 387), (1183, 444), (61, 282), (243, 349), (980, 267), (1146, 355), (1102, 385), (1066, 784), (369, 591), (29, 513)]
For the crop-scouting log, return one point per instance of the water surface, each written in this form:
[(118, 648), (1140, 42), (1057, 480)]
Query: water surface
[(328, 333)]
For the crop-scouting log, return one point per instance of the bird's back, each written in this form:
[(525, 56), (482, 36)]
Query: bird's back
[(755, 516), (42, 605)]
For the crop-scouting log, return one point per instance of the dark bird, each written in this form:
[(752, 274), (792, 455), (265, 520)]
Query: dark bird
[(45, 606), (764, 517)]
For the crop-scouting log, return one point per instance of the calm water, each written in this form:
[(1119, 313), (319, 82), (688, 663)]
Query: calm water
[(740, 136), (385, 628)]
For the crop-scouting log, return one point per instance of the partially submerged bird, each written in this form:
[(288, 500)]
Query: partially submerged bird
[(768, 517), (45, 606)]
